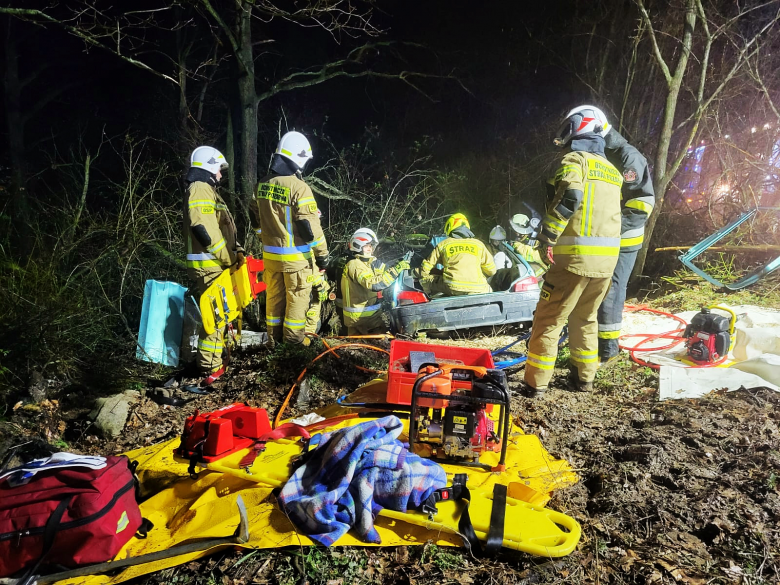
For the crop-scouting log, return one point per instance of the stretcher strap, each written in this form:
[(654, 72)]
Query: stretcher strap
[(282, 432), (459, 491)]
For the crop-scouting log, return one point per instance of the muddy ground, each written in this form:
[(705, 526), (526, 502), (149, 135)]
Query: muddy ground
[(684, 491)]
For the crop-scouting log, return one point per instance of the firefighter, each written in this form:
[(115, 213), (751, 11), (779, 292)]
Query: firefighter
[(525, 231), (581, 235), (465, 262), (524, 245), (210, 233), (363, 277), (294, 248), (319, 294), (496, 240), (637, 205)]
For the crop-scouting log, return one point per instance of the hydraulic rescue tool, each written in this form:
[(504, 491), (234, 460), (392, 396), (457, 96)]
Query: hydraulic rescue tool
[(709, 337), (453, 419)]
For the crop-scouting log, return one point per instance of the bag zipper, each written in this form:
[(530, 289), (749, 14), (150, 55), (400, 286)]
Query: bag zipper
[(73, 523)]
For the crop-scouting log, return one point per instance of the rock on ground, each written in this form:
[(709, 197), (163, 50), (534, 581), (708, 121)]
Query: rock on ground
[(110, 414)]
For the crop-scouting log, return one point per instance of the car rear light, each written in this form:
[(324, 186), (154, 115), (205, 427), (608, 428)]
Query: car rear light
[(411, 297), (528, 283)]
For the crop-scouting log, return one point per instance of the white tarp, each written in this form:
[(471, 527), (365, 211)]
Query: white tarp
[(754, 360)]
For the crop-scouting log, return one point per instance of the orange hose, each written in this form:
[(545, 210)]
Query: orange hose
[(303, 373)]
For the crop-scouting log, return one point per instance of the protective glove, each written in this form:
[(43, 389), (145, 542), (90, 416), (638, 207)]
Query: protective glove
[(240, 259), (546, 250), (321, 262), (401, 265), (321, 292)]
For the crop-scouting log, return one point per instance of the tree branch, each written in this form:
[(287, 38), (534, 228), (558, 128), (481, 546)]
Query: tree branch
[(328, 191), (656, 48), (30, 15), (228, 32)]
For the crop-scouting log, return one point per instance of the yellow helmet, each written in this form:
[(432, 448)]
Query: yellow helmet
[(455, 221)]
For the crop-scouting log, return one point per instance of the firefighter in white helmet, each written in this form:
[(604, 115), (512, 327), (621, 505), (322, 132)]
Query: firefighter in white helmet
[(362, 279), (496, 239), (581, 234), (295, 252), (210, 236)]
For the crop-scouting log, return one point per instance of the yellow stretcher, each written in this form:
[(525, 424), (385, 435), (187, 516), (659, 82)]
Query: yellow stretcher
[(183, 509)]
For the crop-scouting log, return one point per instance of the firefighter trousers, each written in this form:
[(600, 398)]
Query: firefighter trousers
[(565, 296), (287, 296), (610, 313), (210, 346)]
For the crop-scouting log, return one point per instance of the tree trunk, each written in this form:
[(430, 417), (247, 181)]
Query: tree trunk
[(230, 152), (15, 122), (247, 97), (662, 174)]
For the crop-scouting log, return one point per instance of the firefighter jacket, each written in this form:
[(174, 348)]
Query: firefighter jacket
[(209, 229), (638, 195), (583, 220), (466, 262), (284, 214), (533, 256), (361, 281)]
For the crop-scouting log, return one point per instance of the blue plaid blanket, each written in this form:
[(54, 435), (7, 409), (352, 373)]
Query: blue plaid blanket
[(352, 475)]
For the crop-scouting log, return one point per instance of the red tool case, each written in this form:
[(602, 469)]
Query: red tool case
[(400, 378), (212, 435)]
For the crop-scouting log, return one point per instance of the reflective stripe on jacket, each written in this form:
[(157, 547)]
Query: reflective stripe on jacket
[(362, 279), (466, 264), (638, 195), (588, 241), (207, 209), (281, 202)]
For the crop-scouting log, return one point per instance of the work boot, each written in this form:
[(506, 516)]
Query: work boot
[(574, 383), (531, 392), (214, 376), (605, 362)]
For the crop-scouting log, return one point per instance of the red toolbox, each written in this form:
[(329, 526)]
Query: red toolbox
[(400, 377), (212, 435)]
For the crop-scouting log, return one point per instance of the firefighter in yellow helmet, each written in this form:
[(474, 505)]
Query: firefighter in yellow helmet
[(581, 234), (284, 213), (210, 236), (465, 260), (362, 279)]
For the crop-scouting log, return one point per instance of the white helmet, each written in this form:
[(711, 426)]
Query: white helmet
[(295, 147), (209, 158), (582, 120), (521, 224), (497, 234), (362, 237)]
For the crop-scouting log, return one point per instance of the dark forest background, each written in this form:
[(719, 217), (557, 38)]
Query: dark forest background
[(414, 109)]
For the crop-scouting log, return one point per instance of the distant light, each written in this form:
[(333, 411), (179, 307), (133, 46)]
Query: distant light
[(753, 130), (766, 126), (689, 199), (727, 137), (724, 188), (683, 190), (702, 142), (768, 177)]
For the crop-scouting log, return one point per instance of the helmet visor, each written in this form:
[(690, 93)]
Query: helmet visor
[(566, 130)]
